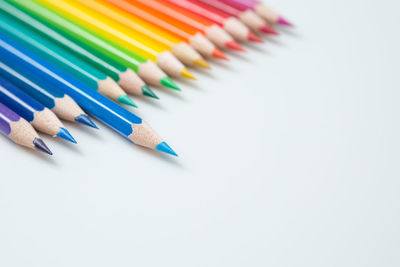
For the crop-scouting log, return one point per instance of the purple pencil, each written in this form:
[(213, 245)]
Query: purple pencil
[(20, 131), (262, 9)]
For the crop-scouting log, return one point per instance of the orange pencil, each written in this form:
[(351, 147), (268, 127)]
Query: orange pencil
[(181, 19)]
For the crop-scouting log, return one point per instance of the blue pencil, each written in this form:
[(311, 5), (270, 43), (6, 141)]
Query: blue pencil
[(48, 76), (61, 104), (35, 113)]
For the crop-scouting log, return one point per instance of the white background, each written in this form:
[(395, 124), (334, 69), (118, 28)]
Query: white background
[(289, 156)]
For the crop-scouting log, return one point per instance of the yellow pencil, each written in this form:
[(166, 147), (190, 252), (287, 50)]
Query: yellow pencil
[(119, 34), (181, 50)]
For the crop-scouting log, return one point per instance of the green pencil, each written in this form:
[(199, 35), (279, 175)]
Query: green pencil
[(146, 69), (125, 77)]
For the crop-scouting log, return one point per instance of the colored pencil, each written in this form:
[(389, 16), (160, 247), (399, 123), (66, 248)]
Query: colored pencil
[(168, 62), (61, 104), (247, 16), (231, 24), (115, 116), (261, 9), (195, 38), (125, 77), (41, 118), (173, 18), (65, 59), (20, 131), (99, 46), (181, 50)]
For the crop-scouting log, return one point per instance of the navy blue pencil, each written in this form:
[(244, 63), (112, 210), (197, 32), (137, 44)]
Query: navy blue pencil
[(41, 118), (48, 76), (61, 104)]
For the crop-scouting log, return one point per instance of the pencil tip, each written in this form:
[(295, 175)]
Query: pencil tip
[(254, 38), (148, 92), (167, 82), (125, 99), (164, 147), (201, 63), (283, 21), (186, 73), (84, 119), (235, 46), (218, 54), (64, 134), (41, 146), (268, 29)]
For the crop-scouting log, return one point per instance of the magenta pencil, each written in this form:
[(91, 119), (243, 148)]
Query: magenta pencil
[(261, 9), (248, 16)]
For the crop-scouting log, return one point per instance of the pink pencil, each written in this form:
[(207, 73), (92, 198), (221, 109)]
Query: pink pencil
[(261, 9)]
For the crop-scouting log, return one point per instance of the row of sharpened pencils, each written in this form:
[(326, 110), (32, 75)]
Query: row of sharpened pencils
[(62, 58)]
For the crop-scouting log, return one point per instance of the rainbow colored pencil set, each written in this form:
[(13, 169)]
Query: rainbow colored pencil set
[(75, 59)]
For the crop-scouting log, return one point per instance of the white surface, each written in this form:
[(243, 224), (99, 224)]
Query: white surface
[(289, 156)]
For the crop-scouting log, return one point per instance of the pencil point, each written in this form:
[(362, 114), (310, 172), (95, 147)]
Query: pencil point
[(283, 21), (267, 29), (218, 54), (235, 46), (254, 38), (164, 147), (64, 134), (125, 99), (41, 146), (201, 63), (84, 119), (186, 73), (167, 82), (148, 92)]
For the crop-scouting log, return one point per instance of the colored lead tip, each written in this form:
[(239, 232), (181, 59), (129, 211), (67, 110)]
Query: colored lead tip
[(254, 38), (167, 82), (268, 29), (283, 21), (235, 46), (164, 147), (218, 54), (148, 92), (41, 146), (125, 99), (201, 63), (186, 73), (84, 119), (64, 134)]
